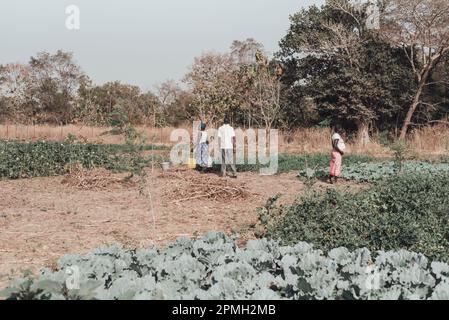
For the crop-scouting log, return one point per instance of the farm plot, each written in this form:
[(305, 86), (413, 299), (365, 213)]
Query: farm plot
[(44, 218)]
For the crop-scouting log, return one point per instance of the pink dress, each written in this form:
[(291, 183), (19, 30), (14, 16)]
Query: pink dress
[(335, 163)]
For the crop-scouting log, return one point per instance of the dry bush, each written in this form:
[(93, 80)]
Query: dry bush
[(93, 179), (191, 185)]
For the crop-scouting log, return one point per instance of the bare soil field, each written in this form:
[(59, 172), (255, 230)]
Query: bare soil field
[(42, 219)]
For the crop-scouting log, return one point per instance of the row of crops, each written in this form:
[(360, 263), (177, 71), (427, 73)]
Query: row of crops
[(378, 171), (289, 162), (213, 267), (43, 158)]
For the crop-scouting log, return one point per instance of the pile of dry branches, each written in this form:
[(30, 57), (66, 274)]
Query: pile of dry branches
[(201, 186), (94, 179)]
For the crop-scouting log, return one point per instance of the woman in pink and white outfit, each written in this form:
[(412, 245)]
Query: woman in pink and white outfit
[(338, 149)]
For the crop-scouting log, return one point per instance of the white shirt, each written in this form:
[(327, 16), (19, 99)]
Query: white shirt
[(225, 134), (341, 145)]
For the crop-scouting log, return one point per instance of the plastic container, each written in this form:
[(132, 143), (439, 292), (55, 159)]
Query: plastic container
[(165, 166), (191, 164)]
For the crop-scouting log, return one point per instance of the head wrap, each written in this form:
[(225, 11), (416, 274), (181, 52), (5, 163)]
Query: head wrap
[(336, 136)]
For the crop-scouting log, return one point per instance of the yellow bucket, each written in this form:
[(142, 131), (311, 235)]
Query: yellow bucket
[(192, 163)]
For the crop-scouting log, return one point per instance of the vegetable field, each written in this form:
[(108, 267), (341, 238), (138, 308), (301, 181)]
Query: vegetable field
[(373, 172), (311, 166), (45, 158), (214, 267), (381, 233), (405, 212)]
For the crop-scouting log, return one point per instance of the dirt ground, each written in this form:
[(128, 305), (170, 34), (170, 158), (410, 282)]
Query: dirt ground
[(42, 219)]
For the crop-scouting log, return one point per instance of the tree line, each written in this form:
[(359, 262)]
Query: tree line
[(332, 69)]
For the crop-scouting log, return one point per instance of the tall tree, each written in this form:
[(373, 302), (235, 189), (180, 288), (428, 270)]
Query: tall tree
[(242, 83), (421, 29), (212, 82), (14, 85), (174, 102), (54, 83), (244, 52), (352, 75), (98, 102), (434, 104), (263, 91), (252, 79)]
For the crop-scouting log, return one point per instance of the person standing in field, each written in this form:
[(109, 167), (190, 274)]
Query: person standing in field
[(226, 142), (202, 149), (338, 148)]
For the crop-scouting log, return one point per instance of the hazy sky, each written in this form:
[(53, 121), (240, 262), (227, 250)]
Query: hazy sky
[(142, 42)]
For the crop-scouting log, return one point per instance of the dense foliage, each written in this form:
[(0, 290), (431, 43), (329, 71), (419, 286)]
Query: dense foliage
[(44, 158), (405, 212), (33, 159), (353, 75), (215, 268)]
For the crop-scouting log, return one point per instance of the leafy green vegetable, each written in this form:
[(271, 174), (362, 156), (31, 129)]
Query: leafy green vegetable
[(290, 162), (213, 267), (43, 158), (372, 172)]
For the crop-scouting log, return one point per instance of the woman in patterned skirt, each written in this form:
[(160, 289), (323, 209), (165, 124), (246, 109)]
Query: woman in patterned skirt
[(338, 148)]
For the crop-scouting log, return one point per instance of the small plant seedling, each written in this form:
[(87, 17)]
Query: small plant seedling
[(401, 153)]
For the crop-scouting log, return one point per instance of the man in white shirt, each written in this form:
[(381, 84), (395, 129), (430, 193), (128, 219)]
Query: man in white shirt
[(226, 141)]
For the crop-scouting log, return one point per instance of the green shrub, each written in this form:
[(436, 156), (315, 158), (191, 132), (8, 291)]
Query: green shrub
[(215, 268), (406, 212)]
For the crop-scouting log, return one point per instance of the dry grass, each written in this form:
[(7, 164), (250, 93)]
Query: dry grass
[(94, 179), (432, 140), (317, 140), (84, 133)]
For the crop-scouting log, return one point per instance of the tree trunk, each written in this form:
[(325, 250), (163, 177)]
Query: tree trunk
[(422, 81), (411, 111), (363, 133)]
